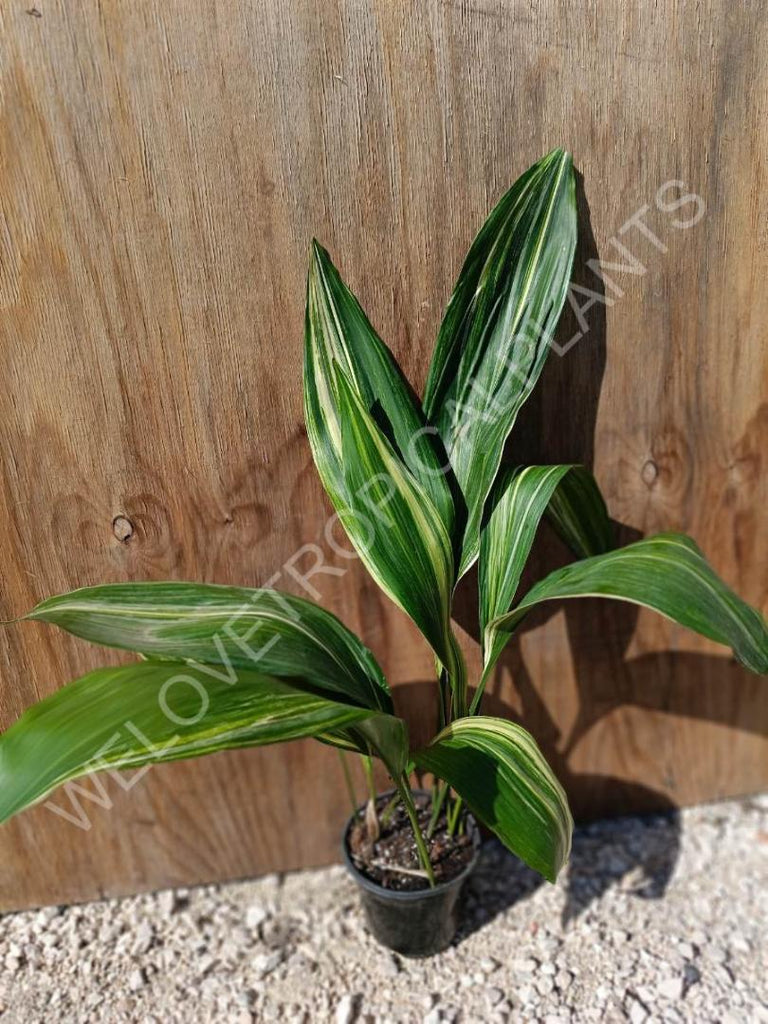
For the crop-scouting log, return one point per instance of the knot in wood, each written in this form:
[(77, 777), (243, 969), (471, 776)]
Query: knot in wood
[(649, 472), (122, 527)]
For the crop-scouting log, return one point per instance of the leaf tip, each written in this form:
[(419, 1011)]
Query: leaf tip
[(319, 258), (560, 155)]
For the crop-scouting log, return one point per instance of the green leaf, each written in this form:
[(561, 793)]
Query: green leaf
[(502, 775), (668, 573), (566, 492), (498, 326), (236, 627), (151, 712), (507, 538), (577, 511), (394, 525), (338, 331)]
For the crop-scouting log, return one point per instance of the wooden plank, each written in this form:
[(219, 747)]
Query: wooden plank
[(164, 167)]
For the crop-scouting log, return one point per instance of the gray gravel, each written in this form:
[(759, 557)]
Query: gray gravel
[(658, 919)]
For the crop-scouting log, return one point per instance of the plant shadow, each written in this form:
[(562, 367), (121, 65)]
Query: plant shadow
[(638, 853)]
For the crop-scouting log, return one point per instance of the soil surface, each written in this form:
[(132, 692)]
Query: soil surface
[(657, 919), (392, 859)]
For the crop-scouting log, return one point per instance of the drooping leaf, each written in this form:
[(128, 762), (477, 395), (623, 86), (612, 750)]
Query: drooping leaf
[(522, 496), (383, 735), (577, 511), (502, 775), (395, 527), (235, 627), (667, 573), (151, 712), (498, 326), (338, 331)]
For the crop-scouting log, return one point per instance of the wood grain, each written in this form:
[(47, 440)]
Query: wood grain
[(163, 168)]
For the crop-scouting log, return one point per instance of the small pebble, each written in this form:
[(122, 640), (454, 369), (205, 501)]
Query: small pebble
[(136, 980), (265, 963), (255, 915), (144, 937), (167, 902), (635, 1010), (545, 985), (671, 988), (345, 1010)]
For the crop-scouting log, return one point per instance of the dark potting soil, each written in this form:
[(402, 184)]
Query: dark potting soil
[(396, 848)]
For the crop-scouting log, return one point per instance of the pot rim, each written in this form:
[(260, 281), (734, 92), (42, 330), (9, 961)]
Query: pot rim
[(412, 895)]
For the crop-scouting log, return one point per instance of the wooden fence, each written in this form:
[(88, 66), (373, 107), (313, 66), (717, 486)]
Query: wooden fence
[(163, 167)]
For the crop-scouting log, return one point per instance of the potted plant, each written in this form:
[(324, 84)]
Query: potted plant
[(421, 492)]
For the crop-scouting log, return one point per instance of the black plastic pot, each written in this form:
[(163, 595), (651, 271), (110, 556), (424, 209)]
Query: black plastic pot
[(418, 923)]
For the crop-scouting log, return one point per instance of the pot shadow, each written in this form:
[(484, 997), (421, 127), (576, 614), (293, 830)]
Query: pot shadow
[(557, 425)]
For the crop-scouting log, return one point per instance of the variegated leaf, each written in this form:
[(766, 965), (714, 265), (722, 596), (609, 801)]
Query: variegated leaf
[(151, 712), (577, 511), (498, 769), (338, 331), (498, 327), (521, 497), (234, 627), (667, 573), (395, 527)]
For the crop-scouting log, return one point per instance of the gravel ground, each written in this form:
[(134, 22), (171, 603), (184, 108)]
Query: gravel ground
[(663, 918)]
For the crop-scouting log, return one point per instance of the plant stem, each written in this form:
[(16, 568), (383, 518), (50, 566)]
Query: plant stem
[(442, 691), (405, 795), (474, 707), (348, 780), (458, 676), (368, 768), (439, 791), (388, 811), (371, 818), (453, 815)]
